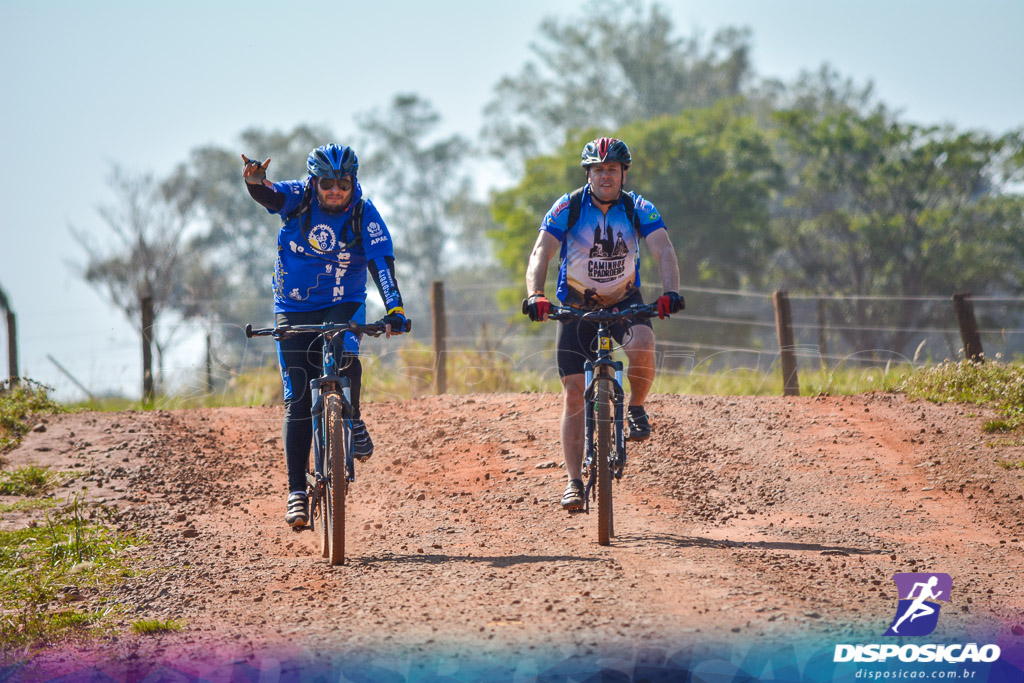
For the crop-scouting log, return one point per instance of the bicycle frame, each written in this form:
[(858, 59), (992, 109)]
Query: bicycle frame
[(603, 369)]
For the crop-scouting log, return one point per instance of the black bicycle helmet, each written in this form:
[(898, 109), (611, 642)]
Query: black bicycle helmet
[(332, 161), (603, 150)]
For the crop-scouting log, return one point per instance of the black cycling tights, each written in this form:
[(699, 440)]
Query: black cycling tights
[(301, 359)]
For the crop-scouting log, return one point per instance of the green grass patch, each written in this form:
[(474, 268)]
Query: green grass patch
[(409, 373), (30, 480), (18, 404), (992, 426), (28, 505), (1008, 465), (46, 566), (992, 383), (472, 371), (153, 626)]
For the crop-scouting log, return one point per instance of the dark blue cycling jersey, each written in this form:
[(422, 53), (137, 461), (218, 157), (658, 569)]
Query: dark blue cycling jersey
[(320, 263)]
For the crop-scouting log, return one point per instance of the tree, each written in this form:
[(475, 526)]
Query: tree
[(231, 253), (145, 258), (421, 185), (710, 172), (881, 207), (617, 62)]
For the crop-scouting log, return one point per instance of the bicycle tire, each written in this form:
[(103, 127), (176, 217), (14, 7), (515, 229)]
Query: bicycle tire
[(336, 484), (604, 477), (325, 532)]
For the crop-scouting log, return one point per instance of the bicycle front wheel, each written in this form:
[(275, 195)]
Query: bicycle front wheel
[(604, 477), (336, 484)]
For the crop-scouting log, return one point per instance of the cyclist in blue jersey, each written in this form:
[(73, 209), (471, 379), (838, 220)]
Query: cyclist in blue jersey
[(332, 238), (596, 232)]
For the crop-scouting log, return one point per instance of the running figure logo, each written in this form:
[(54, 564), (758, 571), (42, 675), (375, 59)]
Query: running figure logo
[(918, 610)]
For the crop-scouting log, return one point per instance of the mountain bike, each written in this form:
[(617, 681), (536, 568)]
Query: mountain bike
[(334, 463), (604, 410)]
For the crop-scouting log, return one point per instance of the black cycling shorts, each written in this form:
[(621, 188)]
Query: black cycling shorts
[(577, 339)]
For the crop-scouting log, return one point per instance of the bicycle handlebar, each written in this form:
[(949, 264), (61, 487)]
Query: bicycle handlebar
[(640, 312), (284, 331)]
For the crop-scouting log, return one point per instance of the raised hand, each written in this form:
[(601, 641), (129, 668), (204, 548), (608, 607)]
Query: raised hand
[(254, 172)]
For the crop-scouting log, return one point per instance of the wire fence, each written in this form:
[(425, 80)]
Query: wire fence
[(721, 331), (720, 327)]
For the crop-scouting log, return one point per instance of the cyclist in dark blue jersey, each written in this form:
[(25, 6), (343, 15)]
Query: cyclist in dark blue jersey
[(596, 231), (332, 239)]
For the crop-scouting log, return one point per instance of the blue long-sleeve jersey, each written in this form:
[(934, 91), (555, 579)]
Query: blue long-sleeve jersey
[(320, 262)]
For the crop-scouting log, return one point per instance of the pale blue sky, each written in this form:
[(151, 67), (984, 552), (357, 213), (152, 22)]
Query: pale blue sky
[(141, 84)]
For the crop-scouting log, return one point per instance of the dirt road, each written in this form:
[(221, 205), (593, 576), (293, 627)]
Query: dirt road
[(752, 518)]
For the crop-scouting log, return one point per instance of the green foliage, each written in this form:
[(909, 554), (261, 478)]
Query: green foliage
[(992, 383), (992, 426), (710, 172), (881, 207), (469, 371), (156, 626), (30, 480), (617, 61), (44, 567), (18, 403), (422, 182), (840, 381), (28, 505), (231, 255)]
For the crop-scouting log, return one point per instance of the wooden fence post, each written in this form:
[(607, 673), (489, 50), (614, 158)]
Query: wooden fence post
[(968, 327), (12, 348), (440, 332), (146, 306), (822, 334), (209, 362), (787, 353), (12, 338)]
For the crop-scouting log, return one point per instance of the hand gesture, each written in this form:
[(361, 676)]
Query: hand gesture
[(254, 172)]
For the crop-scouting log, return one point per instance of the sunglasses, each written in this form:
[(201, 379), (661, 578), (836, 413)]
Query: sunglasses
[(344, 184)]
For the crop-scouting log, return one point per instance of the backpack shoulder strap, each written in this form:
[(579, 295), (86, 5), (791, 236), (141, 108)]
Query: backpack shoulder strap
[(575, 206), (357, 218), (304, 204), (356, 224), (630, 206)]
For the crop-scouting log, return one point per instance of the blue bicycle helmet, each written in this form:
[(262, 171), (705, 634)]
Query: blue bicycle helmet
[(332, 161), (603, 150)]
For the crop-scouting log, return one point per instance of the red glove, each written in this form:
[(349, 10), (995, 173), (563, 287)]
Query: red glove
[(537, 307), (668, 303)]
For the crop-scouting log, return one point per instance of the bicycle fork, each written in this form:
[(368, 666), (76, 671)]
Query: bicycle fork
[(618, 453)]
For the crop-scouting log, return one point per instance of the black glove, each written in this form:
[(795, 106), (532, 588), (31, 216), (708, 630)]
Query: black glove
[(254, 172), (668, 303), (537, 307), (396, 319)]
